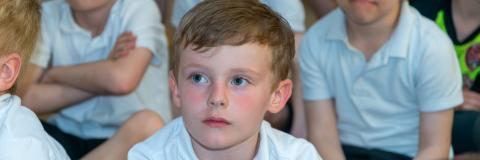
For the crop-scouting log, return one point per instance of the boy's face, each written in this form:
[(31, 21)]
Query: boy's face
[(225, 92), (88, 5), (368, 11)]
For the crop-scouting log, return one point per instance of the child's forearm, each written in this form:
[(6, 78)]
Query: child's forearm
[(48, 98), (435, 132), (329, 149), (107, 77), (322, 130)]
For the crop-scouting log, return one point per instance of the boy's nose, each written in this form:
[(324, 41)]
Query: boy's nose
[(217, 103), (218, 97)]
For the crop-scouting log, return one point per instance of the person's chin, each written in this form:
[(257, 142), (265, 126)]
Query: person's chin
[(217, 144)]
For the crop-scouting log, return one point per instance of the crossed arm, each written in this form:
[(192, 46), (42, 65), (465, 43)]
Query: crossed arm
[(46, 91), (106, 77)]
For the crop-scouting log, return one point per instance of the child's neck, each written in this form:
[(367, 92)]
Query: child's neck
[(95, 20), (368, 38), (243, 151), (466, 17)]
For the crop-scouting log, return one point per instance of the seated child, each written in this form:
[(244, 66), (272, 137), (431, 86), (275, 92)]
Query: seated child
[(102, 68), (380, 82), (21, 134), (230, 67)]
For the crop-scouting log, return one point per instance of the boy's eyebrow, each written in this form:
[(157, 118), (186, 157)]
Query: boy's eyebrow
[(246, 70), (194, 65), (234, 70), (191, 66)]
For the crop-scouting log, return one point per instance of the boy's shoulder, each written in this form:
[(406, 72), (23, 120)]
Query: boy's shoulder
[(53, 8), (320, 36), (19, 120), (322, 26), (170, 141), (22, 132), (281, 145), (427, 34)]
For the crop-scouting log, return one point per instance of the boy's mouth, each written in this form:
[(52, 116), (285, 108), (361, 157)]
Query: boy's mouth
[(216, 122)]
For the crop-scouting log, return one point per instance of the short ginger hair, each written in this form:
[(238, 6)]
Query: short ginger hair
[(19, 29)]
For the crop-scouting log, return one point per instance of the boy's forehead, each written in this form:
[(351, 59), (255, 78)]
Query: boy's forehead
[(249, 53), (211, 51)]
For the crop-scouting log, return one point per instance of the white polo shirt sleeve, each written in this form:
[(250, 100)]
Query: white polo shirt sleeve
[(314, 82), (438, 82), (22, 135), (42, 54), (144, 20)]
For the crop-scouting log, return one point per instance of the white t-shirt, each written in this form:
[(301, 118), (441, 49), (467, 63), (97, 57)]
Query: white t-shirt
[(64, 43), (378, 102), (291, 10), (174, 143), (22, 136)]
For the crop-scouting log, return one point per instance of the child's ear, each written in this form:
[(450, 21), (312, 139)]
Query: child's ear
[(9, 69), (172, 83), (280, 96)]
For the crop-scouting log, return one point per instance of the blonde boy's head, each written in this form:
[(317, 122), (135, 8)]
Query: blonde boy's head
[(19, 27), (215, 23)]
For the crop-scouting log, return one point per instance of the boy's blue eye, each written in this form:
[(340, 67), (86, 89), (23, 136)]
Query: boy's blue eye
[(239, 81), (198, 78)]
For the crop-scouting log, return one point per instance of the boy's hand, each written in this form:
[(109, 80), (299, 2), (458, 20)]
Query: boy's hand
[(471, 100), (124, 44)]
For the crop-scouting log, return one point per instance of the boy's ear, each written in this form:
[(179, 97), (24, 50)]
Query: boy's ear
[(280, 96), (10, 65), (172, 83)]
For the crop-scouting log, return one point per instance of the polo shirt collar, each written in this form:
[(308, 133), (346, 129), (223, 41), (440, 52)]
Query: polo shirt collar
[(397, 45), (337, 29), (4, 97), (263, 151), (68, 24)]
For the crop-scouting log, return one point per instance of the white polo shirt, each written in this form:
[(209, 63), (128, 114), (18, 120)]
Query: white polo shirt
[(378, 102), (64, 43), (291, 10), (174, 143), (22, 135)]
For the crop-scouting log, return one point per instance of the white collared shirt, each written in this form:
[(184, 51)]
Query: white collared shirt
[(64, 43), (291, 10), (378, 102), (22, 136), (174, 143)]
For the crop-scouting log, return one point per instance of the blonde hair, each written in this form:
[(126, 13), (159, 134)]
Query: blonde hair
[(19, 28), (236, 22)]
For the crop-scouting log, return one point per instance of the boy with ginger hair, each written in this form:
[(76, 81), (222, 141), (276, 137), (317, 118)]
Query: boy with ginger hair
[(21, 134)]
